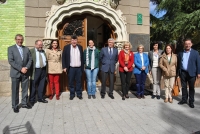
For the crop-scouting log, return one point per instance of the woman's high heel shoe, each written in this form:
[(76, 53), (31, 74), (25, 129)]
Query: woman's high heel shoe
[(127, 96), (50, 97)]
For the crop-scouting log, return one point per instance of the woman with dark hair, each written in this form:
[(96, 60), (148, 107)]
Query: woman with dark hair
[(168, 64), (91, 61), (154, 69), (54, 59)]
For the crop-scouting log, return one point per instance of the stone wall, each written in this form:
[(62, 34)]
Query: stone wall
[(138, 34), (5, 82), (35, 21), (12, 23)]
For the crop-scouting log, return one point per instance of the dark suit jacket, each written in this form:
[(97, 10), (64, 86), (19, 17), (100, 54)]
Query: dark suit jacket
[(33, 53), (193, 63), (16, 62), (107, 62), (66, 56)]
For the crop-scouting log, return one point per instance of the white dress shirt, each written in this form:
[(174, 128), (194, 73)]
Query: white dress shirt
[(37, 64), (75, 58)]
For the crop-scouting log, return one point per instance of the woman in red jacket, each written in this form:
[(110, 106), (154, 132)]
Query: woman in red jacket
[(126, 60)]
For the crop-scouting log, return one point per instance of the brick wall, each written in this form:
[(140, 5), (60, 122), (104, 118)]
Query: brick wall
[(12, 21)]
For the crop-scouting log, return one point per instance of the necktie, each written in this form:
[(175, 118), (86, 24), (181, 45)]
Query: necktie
[(21, 52), (41, 61), (110, 53)]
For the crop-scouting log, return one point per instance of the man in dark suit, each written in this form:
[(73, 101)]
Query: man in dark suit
[(72, 63), (108, 58), (38, 72), (189, 69), (19, 58)]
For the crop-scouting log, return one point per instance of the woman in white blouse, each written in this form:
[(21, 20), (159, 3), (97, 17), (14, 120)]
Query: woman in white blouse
[(154, 69)]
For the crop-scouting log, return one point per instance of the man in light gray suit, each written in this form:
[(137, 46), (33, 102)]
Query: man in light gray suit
[(108, 58), (20, 60)]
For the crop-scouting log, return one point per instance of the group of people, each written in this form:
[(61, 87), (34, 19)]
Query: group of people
[(185, 65), (42, 65)]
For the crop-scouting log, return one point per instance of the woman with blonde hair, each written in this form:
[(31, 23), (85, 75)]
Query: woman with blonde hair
[(140, 71), (126, 61), (168, 64)]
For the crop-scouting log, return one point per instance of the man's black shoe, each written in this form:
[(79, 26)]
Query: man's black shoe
[(26, 106), (93, 96), (89, 96), (43, 101), (111, 96), (182, 102), (102, 96), (71, 97), (191, 105), (32, 104), (80, 97), (158, 97), (16, 109)]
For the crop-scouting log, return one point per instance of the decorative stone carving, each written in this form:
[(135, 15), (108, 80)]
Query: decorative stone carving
[(60, 2), (46, 43), (58, 13), (119, 45), (2, 1), (114, 3), (104, 2)]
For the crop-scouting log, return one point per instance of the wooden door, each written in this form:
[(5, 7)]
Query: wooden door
[(76, 26)]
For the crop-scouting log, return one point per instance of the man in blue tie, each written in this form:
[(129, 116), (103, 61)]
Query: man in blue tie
[(20, 60), (108, 58), (189, 69)]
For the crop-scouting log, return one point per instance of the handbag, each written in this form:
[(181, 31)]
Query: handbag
[(48, 92), (175, 90)]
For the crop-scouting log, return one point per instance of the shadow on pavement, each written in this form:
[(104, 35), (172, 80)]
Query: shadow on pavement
[(182, 119), (21, 129)]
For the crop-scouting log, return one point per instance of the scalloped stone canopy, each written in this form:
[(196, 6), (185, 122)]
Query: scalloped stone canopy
[(58, 13)]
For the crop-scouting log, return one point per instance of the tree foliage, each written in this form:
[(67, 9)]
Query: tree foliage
[(181, 20)]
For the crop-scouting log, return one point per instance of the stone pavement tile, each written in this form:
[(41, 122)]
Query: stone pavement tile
[(58, 130), (90, 124), (34, 131), (104, 130), (46, 129), (100, 123), (2, 99), (4, 103), (80, 129), (115, 129)]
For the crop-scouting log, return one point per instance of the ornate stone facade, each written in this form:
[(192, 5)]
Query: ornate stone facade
[(99, 8)]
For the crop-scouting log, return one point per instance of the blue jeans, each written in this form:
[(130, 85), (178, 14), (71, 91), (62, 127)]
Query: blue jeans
[(140, 82), (91, 80)]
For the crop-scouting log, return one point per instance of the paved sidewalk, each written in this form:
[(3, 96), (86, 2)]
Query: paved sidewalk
[(101, 116)]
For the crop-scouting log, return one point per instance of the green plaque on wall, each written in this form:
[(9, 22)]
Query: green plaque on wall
[(139, 19)]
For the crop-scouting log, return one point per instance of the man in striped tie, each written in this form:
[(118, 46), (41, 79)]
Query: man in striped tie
[(38, 72)]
